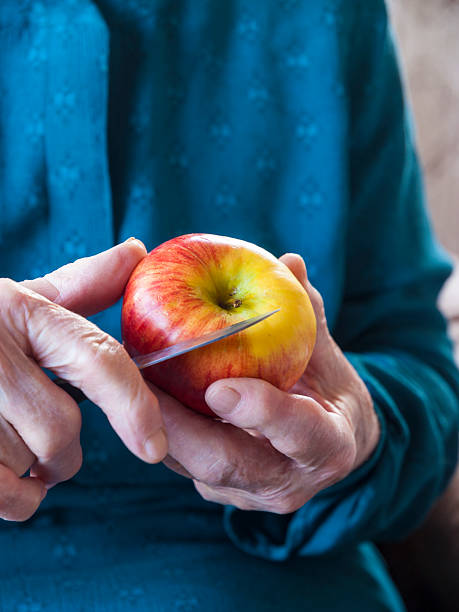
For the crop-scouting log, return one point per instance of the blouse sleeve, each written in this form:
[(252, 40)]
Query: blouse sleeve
[(389, 326)]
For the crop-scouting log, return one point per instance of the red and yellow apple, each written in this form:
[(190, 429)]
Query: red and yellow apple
[(198, 283)]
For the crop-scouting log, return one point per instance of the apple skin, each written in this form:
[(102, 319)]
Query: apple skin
[(198, 283)]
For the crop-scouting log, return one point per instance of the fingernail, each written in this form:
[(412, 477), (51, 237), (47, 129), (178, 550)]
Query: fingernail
[(156, 446), (223, 399), (139, 242)]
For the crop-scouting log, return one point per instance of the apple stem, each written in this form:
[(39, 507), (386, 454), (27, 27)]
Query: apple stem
[(232, 304), (229, 302)]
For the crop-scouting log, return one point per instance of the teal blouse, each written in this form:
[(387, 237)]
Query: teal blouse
[(280, 123)]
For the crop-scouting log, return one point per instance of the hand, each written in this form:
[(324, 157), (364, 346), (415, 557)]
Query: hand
[(40, 423), (276, 450)]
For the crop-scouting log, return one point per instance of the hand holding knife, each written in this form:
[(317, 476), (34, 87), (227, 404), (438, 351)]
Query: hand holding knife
[(145, 361)]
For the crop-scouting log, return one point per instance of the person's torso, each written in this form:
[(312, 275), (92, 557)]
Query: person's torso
[(155, 119)]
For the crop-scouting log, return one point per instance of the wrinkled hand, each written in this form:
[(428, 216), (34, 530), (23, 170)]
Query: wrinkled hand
[(276, 450), (40, 423)]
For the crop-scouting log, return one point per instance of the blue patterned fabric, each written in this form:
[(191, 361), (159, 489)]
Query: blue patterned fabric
[(279, 123)]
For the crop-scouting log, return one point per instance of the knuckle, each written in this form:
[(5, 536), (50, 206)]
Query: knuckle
[(105, 348), (317, 297), (266, 393), (220, 472), (286, 497), (247, 501), (11, 508), (19, 302), (245, 504), (267, 402), (19, 515), (318, 302), (11, 297), (268, 409), (74, 466), (98, 354), (7, 287), (206, 493), (58, 437), (287, 504), (8, 499), (77, 464)]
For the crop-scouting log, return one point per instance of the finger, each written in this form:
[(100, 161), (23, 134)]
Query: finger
[(45, 419), (103, 370), (13, 452), (218, 453), (19, 497), (325, 351), (297, 266), (329, 375), (91, 284), (61, 466), (296, 426), (78, 351), (175, 466)]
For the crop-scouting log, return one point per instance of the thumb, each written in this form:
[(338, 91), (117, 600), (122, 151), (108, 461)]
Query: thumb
[(91, 284), (325, 347)]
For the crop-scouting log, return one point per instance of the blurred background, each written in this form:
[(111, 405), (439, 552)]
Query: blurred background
[(427, 32)]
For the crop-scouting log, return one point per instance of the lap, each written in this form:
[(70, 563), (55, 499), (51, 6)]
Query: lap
[(131, 560)]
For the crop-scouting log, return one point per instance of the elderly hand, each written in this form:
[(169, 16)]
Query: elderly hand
[(276, 450), (40, 423)]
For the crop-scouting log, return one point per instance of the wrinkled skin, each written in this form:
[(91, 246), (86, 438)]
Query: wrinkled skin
[(41, 326), (275, 450), (271, 451)]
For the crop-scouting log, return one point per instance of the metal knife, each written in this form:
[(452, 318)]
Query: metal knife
[(145, 361)]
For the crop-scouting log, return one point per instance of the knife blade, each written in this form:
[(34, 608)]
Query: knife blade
[(145, 361), (180, 348)]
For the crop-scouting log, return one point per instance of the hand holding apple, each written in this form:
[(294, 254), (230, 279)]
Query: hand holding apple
[(198, 283), (305, 440)]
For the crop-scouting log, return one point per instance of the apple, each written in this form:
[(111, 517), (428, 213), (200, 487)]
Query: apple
[(198, 283)]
